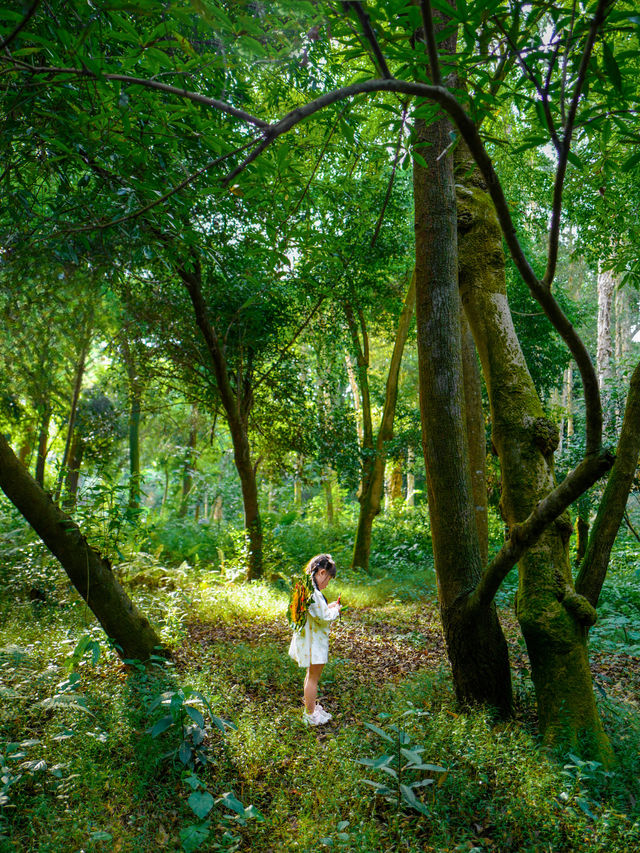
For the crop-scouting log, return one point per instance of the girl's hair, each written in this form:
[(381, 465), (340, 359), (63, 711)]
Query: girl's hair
[(321, 561)]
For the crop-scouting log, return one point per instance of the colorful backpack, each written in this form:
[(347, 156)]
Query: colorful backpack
[(299, 600)]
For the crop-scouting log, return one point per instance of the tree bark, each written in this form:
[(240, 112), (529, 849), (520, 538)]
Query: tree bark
[(88, 571), (73, 410), (189, 463), (43, 441), (614, 500), (237, 406), (475, 642), (554, 619), (475, 436), (395, 485), (411, 478), (604, 358), (374, 455)]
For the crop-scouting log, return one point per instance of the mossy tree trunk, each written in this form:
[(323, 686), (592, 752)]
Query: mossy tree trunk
[(237, 403), (475, 642), (88, 571), (554, 619), (374, 455)]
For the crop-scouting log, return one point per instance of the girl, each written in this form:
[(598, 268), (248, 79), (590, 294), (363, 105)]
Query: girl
[(310, 646)]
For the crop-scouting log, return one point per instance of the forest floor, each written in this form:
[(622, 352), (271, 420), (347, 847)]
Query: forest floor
[(377, 646), (91, 762)]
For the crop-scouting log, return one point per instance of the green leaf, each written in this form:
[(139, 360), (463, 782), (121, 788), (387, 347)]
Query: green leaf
[(379, 788), (161, 726), (631, 162), (185, 753), (611, 66), (191, 837), (229, 801), (573, 158), (201, 803), (411, 800), (195, 715), (379, 732)]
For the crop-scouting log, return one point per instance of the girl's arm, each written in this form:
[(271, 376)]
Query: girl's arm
[(319, 608)]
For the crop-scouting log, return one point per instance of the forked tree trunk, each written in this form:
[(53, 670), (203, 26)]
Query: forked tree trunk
[(88, 571), (374, 461), (554, 619), (475, 642)]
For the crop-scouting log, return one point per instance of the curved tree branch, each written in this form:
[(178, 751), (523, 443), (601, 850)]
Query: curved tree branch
[(20, 26)]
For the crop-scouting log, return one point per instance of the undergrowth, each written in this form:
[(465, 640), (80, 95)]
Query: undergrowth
[(96, 756)]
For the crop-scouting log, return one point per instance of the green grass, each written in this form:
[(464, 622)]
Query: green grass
[(107, 785)]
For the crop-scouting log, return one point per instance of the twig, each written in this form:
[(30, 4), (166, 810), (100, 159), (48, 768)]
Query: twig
[(370, 36), (387, 196), (430, 40), (19, 27), (556, 210)]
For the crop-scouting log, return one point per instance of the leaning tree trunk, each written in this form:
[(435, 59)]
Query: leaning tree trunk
[(88, 571), (475, 642), (554, 619)]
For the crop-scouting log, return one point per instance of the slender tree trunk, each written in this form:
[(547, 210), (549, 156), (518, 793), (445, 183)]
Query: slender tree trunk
[(76, 452), (411, 478), (237, 407), (189, 463), (475, 642), (395, 485), (553, 617), (88, 571), (73, 410), (43, 441), (582, 537), (374, 462), (623, 334), (135, 416), (355, 393), (614, 500), (327, 484), (297, 482)]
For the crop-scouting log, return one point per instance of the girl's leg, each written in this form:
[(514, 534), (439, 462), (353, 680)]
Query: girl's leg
[(311, 686)]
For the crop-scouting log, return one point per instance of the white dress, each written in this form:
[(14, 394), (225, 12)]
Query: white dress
[(311, 644)]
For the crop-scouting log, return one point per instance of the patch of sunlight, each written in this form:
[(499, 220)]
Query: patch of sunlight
[(255, 601)]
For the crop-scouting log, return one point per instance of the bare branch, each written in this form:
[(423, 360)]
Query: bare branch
[(101, 226), (370, 36), (21, 25), (295, 337), (524, 535), (556, 210), (430, 40), (196, 97), (387, 196)]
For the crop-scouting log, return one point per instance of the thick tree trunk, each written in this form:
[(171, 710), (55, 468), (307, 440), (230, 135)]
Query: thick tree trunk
[(475, 435), (475, 643), (553, 617), (374, 461), (237, 406), (43, 441), (90, 573)]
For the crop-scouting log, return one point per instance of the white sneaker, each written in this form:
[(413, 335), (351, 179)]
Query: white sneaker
[(315, 719), (327, 716)]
